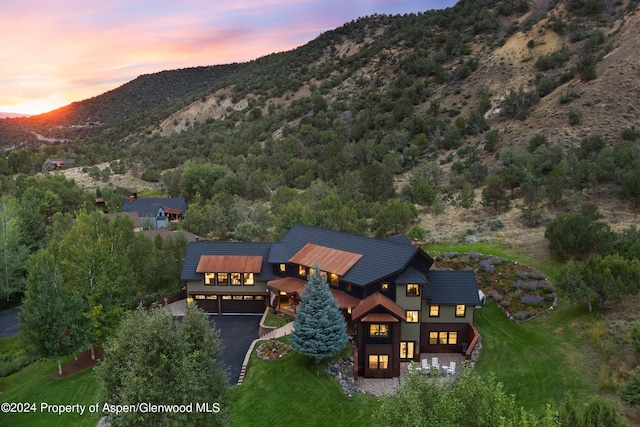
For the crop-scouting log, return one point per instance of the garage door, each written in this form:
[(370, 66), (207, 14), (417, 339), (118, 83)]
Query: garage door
[(242, 303), (208, 303)]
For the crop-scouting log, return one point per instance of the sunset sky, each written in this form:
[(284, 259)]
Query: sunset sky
[(56, 52)]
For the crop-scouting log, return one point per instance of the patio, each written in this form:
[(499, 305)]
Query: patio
[(386, 386)]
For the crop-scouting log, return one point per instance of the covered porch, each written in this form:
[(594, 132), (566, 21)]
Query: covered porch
[(287, 291)]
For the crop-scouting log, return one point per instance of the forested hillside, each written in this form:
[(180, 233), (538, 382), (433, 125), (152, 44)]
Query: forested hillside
[(370, 127)]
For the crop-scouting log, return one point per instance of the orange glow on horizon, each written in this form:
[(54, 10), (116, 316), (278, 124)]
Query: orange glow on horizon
[(36, 106)]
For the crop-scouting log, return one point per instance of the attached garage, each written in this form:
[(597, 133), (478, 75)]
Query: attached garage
[(220, 303)]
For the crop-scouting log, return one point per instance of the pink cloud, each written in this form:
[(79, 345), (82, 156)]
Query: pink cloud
[(78, 49)]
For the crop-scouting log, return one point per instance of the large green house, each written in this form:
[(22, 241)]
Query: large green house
[(395, 306)]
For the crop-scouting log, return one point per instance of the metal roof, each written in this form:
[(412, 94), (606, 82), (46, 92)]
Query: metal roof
[(327, 259), (452, 287), (229, 264), (374, 301), (196, 249), (380, 258), (411, 275)]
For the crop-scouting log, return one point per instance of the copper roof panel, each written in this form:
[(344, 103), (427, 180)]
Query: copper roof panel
[(377, 300), (328, 259), (229, 264)]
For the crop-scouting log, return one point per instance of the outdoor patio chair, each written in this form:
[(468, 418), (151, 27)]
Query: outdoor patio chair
[(451, 369), (434, 363), (425, 366)]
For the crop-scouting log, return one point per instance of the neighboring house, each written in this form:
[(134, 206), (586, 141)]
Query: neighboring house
[(394, 305), (156, 212), (57, 163)]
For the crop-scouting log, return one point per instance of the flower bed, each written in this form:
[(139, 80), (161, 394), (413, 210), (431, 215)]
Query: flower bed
[(272, 349), (521, 291)]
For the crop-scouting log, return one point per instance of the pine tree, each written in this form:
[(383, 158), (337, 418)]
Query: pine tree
[(320, 330)]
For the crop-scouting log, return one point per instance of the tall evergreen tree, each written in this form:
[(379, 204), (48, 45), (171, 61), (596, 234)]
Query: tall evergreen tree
[(320, 330)]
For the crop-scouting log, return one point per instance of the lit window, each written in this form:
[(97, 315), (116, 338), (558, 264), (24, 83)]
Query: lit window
[(413, 290), (248, 298), (283, 268), (434, 310), (199, 297), (302, 270), (407, 349), (384, 286), (379, 330), (324, 275), (412, 316), (209, 278), (442, 339), (212, 296), (237, 297), (283, 294), (378, 361), (334, 279), (259, 297), (433, 338), (248, 279), (223, 279), (236, 279), (453, 338), (460, 310), (226, 297)]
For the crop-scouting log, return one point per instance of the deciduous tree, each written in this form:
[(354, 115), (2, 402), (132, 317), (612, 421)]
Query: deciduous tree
[(51, 319), (13, 254), (155, 359)]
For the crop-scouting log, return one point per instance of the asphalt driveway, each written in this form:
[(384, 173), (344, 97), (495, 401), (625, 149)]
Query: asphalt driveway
[(9, 324), (237, 332)]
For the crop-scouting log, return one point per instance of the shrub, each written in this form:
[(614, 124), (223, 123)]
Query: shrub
[(523, 274), (635, 337), (537, 274), (495, 295), (630, 392), (517, 103), (575, 116), (505, 303), (487, 266), (531, 300)]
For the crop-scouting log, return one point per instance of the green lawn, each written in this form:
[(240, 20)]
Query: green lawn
[(295, 391), (35, 384), (539, 361)]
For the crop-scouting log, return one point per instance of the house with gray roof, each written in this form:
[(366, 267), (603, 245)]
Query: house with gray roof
[(395, 306), (156, 212)]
